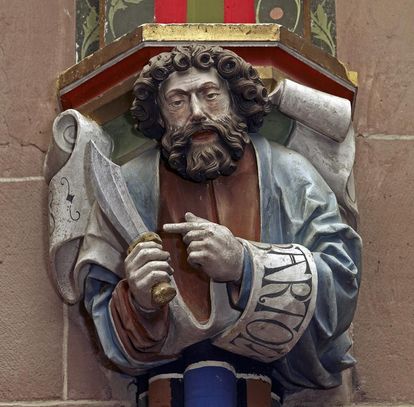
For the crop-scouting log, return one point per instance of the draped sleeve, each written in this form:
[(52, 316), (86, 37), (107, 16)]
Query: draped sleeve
[(304, 282)]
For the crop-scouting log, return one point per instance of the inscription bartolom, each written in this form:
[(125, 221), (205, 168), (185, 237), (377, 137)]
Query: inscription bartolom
[(283, 297)]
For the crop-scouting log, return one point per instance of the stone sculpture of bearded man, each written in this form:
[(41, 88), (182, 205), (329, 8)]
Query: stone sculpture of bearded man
[(266, 272)]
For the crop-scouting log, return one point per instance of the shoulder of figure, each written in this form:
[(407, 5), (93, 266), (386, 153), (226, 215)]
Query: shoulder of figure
[(285, 159), (294, 168)]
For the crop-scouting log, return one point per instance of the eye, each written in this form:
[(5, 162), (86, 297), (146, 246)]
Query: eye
[(211, 95), (177, 103)]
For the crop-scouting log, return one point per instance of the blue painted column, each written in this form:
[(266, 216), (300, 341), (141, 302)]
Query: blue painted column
[(210, 383)]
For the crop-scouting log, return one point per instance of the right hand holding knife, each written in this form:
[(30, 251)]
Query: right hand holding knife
[(147, 267)]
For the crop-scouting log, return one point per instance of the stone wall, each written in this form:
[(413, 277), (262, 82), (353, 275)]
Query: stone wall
[(376, 39), (46, 357)]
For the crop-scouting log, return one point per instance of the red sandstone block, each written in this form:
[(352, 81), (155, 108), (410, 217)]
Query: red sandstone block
[(339, 396), (375, 39), (38, 42), (90, 374), (384, 326), (31, 312)]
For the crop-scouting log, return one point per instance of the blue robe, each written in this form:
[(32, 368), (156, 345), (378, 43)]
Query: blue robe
[(296, 206)]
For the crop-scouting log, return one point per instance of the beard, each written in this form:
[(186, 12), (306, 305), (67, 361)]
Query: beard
[(201, 161)]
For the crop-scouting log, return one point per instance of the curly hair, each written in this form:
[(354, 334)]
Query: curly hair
[(249, 95)]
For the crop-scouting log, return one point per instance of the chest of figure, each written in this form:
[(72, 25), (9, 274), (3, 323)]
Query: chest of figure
[(232, 201)]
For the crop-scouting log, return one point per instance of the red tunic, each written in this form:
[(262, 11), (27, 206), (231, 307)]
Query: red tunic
[(232, 201)]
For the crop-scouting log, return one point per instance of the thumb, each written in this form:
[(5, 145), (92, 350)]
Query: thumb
[(190, 217)]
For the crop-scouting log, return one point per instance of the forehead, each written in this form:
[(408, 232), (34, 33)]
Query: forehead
[(191, 80)]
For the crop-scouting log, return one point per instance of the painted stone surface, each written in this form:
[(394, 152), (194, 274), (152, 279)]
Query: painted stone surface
[(205, 11), (87, 28), (323, 25), (122, 16), (288, 13), (294, 14)]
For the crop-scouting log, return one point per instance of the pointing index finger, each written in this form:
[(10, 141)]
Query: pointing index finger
[(183, 227)]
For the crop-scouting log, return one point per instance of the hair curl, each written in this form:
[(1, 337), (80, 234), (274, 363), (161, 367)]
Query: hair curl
[(248, 92)]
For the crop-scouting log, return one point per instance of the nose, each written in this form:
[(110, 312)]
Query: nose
[(197, 112)]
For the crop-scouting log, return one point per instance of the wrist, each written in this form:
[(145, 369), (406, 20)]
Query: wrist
[(145, 312), (239, 291), (238, 275)]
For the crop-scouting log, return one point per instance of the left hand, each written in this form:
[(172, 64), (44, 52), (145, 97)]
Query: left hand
[(211, 247)]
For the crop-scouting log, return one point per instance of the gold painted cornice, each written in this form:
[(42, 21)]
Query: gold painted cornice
[(222, 34), (211, 32)]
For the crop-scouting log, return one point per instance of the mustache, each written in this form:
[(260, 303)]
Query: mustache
[(230, 129)]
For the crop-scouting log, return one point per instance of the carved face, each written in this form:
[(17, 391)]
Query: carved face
[(193, 96), (203, 137)]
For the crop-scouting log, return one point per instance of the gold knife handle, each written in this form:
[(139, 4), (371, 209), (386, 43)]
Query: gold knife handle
[(162, 293)]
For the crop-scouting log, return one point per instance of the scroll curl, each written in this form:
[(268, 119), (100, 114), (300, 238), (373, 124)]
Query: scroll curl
[(70, 201)]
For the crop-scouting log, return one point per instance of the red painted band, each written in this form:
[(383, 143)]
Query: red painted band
[(170, 11), (259, 56), (236, 11), (109, 77)]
